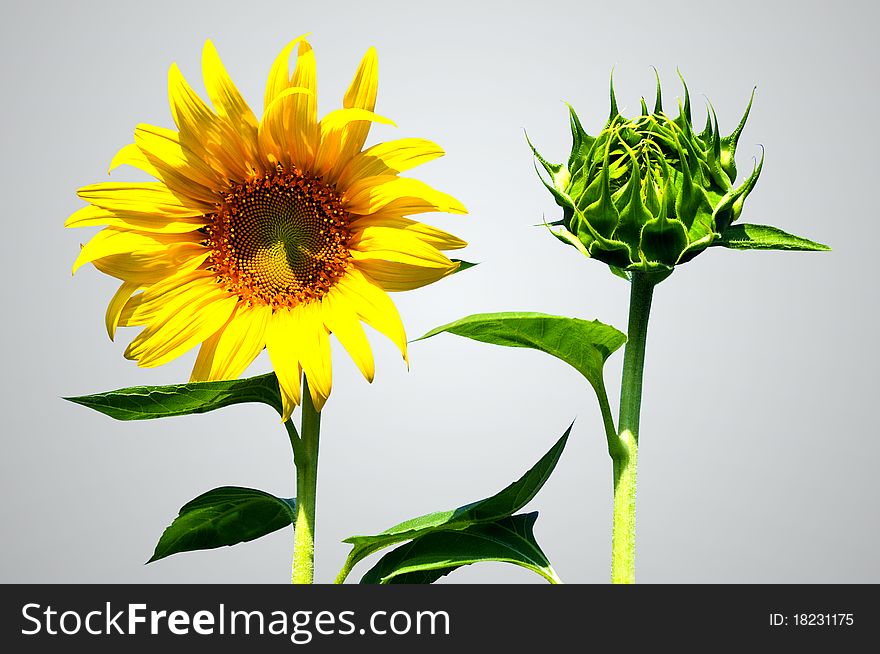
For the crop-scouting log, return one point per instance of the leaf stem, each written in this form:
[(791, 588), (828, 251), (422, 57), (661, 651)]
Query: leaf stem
[(624, 452), (345, 571), (607, 418), (305, 452)]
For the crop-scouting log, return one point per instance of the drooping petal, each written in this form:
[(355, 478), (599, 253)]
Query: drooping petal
[(114, 309), (373, 306), (189, 320), (314, 353), (284, 353), (344, 322), (227, 353), (131, 155), (166, 294)]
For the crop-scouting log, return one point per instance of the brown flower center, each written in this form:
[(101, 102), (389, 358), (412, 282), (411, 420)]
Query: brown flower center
[(280, 240)]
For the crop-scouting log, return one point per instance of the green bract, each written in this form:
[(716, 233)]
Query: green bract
[(648, 193)]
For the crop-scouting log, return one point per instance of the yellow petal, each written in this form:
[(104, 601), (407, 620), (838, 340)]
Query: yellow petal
[(279, 77), (361, 94), (191, 115), (143, 198), (394, 277), (92, 216), (389, 158), (397, 194), (178, 166), (224, 95), (284, 354), (314, 352), (273, 135), (389, 244), (178, 330), (210, 138), (148, 268), (112, 241), (344, 322), (111, 318), (335, 129), (166, 294), (131, 155), (373, 306), (430, 235), (227, 353)]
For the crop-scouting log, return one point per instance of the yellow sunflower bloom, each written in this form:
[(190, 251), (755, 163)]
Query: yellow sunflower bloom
[(271, 233)]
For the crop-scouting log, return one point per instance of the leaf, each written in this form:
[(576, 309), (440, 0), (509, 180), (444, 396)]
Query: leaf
[(224, 516), (429, 557), (147, 402), (584, 345), (763, 237), (502, 504), (463, 265)]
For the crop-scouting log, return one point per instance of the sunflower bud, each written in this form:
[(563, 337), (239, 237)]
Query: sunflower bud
[(648, 193)]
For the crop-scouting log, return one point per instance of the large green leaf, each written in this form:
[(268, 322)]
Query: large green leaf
[(502, 504), (429, 557), (583, 344), (146, 402), (224, 516), (764, 237)]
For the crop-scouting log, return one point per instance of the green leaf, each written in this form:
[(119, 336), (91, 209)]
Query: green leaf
[(463, 265), (502, 504), (584, 345), (147, 402), (764, 237), (429, 557), (224, 516)]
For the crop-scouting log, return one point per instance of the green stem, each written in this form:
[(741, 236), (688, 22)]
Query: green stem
[(305, 453), (625, 451)]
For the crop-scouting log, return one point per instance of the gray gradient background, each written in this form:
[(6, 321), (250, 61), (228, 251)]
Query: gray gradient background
[(759, 449)]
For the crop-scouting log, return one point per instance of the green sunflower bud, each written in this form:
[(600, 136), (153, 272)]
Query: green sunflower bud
[(648, 193)]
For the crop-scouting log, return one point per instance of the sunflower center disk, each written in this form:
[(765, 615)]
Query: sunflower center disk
[(281, 240)]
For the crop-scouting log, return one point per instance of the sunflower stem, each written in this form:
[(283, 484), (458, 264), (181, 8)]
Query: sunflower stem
[(305, 453), (624, 453)]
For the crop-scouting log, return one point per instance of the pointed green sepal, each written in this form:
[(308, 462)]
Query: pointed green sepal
[(551, 168), (658, 99), (765, 237), (728, 151), (614, 111)]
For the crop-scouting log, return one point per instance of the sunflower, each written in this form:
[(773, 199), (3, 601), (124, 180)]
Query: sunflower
[(265, 234)]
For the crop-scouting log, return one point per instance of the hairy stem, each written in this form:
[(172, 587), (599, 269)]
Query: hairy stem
[(306, 460), (625, 451)]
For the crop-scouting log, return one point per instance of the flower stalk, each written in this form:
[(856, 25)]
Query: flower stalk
[(305, 454), (624, 453)]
